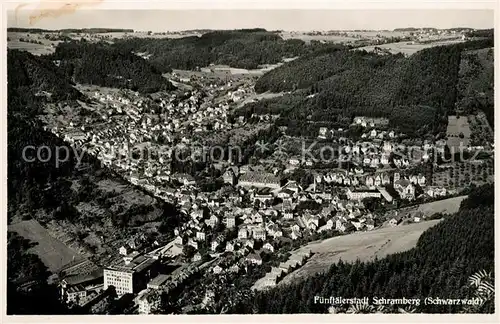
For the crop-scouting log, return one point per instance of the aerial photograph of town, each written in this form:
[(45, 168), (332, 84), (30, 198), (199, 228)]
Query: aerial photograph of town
[(164, 166)]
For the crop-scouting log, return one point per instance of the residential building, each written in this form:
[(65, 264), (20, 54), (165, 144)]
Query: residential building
[(249, 243), (254, 258), (259, 234), (243, 233), (395, 221), (147, 301), (234, 268), (179, 240), (214, 220), (229, 247), (75, 294), (185, 179), (369, 181), (197, 257), (295, 234), (230, 221), (257, 218), (214, 245), (229, 177), (268, 247), (200, 236), (123, 250), (405, 189)]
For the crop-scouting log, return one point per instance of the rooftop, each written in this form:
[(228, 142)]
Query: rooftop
[(83, 277), (158, 280), (260, 177), (138, 264)]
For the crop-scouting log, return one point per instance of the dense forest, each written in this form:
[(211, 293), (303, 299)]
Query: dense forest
[(475, 88), (445, 257), (104, 65), (29, 74), (309, 70), (246, 48), (415, 93), (481, 33)]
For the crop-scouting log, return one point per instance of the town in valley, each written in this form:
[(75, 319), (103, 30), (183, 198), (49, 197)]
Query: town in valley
[(195, 172)]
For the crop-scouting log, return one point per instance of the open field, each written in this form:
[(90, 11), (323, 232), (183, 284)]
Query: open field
[(364, 246), (181, 85), (211, 75), (14, 42), (35, 49), (327, 38), (408, 48), (458, 131), (445, 206), (53, 253), (259, 96), (47, 46), (223, 70)]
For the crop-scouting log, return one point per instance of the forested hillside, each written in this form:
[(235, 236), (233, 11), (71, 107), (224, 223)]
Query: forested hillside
[(415, 93), (309, 71), (476, 83), (439, 266), (32, 74), (104, 65), (237, 48)]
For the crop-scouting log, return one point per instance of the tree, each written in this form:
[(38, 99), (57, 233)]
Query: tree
[(484, 289), (372, 203), (188, 251)]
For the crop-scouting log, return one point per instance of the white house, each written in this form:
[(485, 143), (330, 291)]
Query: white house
[(268, 247)]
